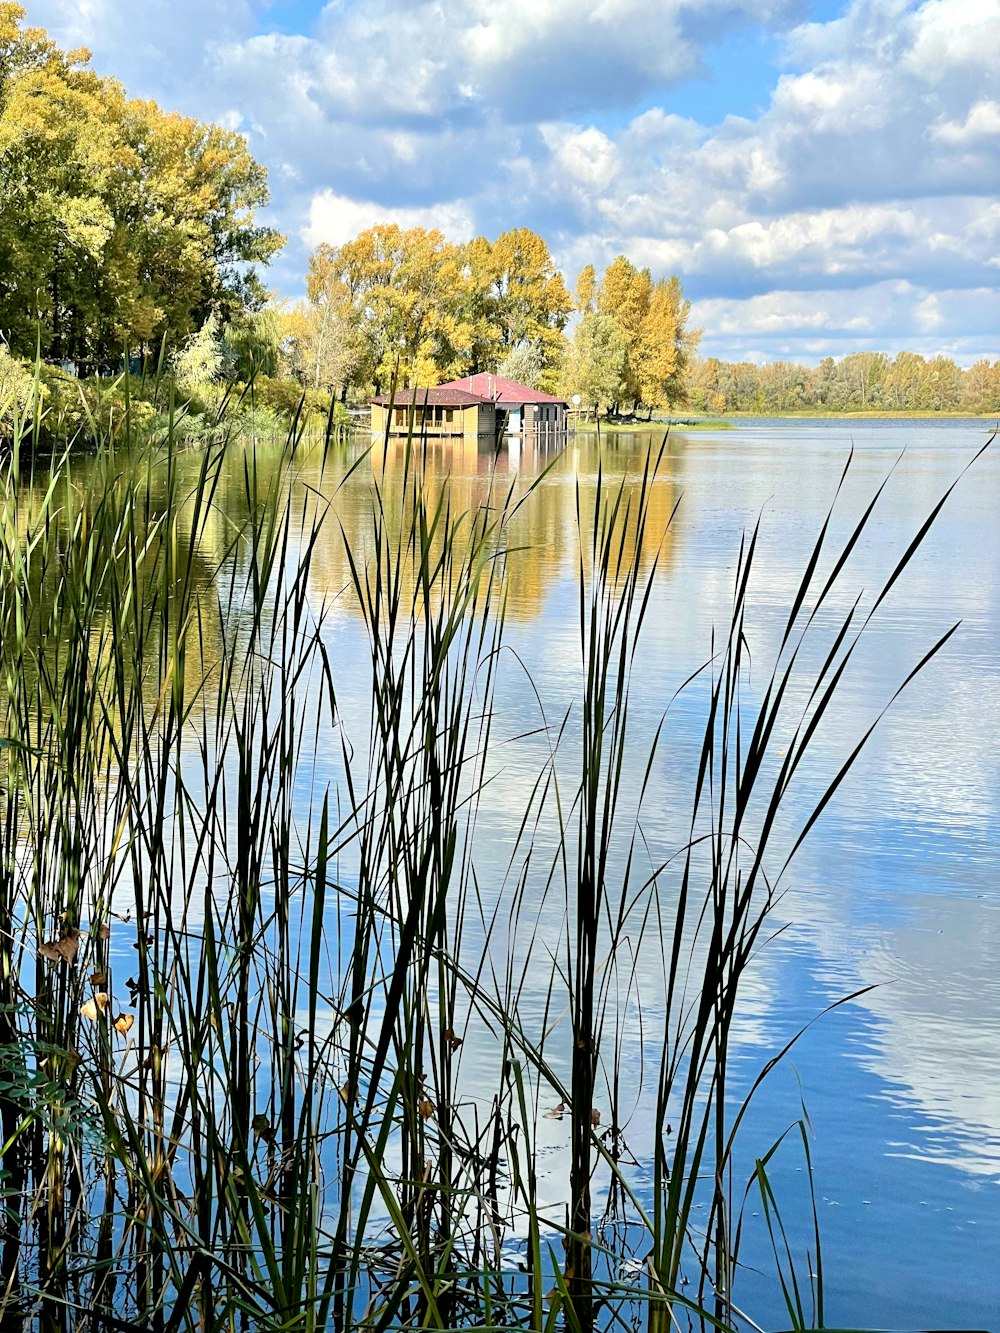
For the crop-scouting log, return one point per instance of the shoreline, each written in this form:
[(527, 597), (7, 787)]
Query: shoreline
[(731, 419)]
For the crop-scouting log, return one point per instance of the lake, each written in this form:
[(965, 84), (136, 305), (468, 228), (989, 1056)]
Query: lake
[(897, 886), (893, 898)]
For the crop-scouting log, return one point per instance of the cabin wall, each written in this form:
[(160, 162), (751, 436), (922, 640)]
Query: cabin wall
[(474, 421)]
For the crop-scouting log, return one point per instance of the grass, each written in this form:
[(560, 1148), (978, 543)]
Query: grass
[(683, 425), (270, 1055)]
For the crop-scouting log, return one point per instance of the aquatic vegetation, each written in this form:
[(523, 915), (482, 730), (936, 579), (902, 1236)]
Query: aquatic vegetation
[(267, 1056)]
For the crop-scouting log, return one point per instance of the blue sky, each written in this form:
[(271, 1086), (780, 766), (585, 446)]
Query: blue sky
[(822, 176)]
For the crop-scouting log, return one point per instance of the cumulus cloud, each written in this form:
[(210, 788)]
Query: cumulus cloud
[(983, 119), (335, 218), (801, 325)]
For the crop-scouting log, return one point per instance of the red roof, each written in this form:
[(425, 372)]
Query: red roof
[(441, 395), (494, 388)]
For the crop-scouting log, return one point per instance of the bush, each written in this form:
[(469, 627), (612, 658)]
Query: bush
[(89, 410), (282, 398), (17, 391)]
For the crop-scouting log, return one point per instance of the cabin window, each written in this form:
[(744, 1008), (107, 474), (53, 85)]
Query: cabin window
[(400, 416), (449, 415)]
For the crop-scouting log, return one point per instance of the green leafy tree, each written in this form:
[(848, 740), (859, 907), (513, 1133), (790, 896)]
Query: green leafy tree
[(525, 364), (597, 363), (120, 224)]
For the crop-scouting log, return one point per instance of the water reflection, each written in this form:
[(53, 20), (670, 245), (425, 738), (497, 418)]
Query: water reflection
[(542, 542)]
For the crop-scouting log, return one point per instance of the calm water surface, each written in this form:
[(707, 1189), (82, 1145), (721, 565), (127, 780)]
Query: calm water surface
[(897, 887)]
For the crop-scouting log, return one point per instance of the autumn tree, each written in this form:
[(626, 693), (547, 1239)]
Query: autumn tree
[(519, 297), (412, 304), (585, 293), (624, 296), (395, 291), (981, 387), (666, 346), (322, 343), (120, 224)]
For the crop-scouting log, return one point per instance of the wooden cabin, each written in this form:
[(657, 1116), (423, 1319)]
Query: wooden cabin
[(440, 412)]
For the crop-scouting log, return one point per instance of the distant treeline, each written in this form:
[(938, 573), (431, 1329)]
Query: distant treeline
[(860, 382)]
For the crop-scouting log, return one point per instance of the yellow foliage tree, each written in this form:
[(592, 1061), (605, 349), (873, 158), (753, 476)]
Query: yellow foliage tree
[(120, 224)]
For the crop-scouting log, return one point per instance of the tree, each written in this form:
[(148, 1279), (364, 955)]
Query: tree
[(597, 364), (520, 297), (199, 361), (904, 378), (865, 374), (942, 385), (324, 350), (252, 344), (666, 346), (981, 387), (414, 304), (396, 289), (586, 290), (624, 297), (120, 224), (524, 364)]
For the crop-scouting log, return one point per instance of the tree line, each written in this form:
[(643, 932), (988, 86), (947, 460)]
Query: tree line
[(412, 307), (859, 382), (128, 231)]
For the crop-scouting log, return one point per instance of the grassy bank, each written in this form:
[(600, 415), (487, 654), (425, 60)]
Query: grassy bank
[(915, 415), (645, 427), (60, 410), (267, 1057)]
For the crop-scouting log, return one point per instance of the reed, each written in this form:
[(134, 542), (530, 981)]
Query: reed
[(267, 1055)]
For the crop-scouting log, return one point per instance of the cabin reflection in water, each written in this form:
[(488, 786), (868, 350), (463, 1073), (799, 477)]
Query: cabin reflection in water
[(543, 538)]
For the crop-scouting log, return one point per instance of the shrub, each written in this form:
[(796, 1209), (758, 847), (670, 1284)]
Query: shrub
[(17, 388)]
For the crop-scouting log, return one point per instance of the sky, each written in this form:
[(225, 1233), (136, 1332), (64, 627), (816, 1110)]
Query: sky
[(822, 176)]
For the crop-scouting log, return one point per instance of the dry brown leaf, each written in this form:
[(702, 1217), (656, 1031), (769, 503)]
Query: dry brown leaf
[(426, 1107), (104, 932), (62, 950), (556, 1113), (98, 979), (453, 1041), (262, 1127), (68, 946), (94, 1006), (595, 1117), (123, 1023)]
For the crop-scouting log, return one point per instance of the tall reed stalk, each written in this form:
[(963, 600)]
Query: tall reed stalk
[(269, 1049)]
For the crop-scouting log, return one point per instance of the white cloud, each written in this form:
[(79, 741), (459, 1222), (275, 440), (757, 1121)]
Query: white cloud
[(888, 316), (954, 38), (587, 157), (983, 119), (335, 218)]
